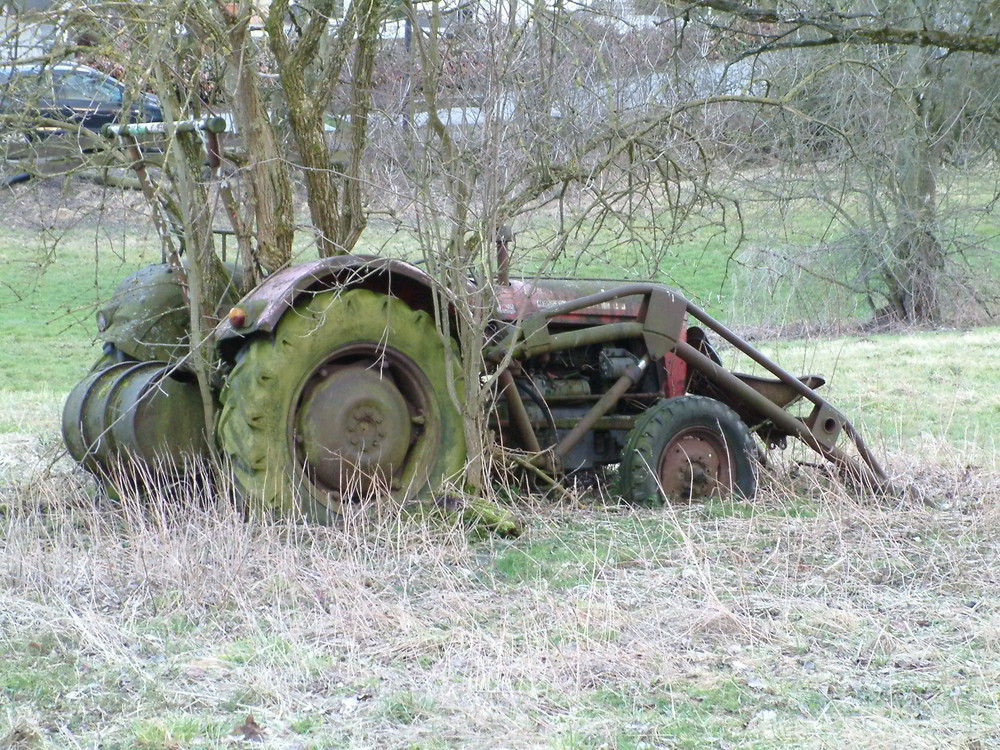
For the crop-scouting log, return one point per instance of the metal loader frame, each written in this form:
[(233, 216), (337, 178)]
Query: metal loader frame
[(662, 318)]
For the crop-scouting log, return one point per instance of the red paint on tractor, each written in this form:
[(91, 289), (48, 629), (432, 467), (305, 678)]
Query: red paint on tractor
[(675, 384), (522, 298)]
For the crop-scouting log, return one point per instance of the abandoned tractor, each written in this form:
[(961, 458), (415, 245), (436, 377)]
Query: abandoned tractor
[(339, 385)]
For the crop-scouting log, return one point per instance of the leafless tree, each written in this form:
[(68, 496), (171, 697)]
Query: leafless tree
[(889, 100), (581, 124)]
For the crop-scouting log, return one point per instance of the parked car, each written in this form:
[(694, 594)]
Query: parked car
[(72, 93)]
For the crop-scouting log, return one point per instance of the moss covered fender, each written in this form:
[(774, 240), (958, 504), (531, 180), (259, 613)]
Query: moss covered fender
[(147, 317), (260, 311)]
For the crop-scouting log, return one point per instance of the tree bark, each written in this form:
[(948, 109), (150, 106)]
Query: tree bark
[(270, 183), (205, 274), (336, 211), (918, 254), (859, 28)]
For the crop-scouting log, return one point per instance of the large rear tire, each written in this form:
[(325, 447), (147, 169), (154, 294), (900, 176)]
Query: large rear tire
[(686, 448), (348, 401)]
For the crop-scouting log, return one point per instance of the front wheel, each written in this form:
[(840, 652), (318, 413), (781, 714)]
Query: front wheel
[(685, 448), (348, 401)]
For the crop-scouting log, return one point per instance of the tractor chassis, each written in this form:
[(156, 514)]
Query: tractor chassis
[(660, 325)]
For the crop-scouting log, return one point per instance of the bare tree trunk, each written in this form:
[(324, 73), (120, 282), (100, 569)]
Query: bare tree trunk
[(205, 274), (353, 216), (918, 260), (314, 153), (337, 213), (306, 114), (454, 257), (270, 183)]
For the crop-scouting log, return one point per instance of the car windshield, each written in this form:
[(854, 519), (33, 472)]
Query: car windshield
[(88, 87)]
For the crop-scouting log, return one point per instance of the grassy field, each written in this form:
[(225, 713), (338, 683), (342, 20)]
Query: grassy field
[(907, 389), (810, 617)]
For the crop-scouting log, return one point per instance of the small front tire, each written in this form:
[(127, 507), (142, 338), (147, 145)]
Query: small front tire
[(686, 448)]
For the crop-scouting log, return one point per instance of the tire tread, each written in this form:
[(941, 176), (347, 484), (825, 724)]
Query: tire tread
[(638, 484)]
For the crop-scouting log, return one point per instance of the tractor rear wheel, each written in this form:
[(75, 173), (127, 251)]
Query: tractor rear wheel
[(348, 401), (686, 448)]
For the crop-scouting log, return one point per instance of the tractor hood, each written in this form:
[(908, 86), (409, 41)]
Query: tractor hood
[(524, 297)]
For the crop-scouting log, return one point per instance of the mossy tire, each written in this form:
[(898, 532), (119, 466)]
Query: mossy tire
[(686, 448), (351, 399)]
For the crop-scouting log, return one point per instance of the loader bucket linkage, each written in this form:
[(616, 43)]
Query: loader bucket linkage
[(661, 320)]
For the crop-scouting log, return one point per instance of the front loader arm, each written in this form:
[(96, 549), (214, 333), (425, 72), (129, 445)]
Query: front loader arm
[(660, 324)]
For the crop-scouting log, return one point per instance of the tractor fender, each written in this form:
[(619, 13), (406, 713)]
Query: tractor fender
[(259, 312), (147, 317)]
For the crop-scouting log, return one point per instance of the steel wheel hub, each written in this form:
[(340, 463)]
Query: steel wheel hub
[(695, 463), (365, 422), (353, 427)]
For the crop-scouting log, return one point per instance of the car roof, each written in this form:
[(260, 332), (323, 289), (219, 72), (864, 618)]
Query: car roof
[(12, 68)]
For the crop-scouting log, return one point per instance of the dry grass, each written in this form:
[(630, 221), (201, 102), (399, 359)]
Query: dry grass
[(809, 618)]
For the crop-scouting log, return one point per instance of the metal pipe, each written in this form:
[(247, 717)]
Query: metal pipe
[(610, 422), (559, 399), (214, 149), (745, 393), (209, 124), (864, 452), (569, 340), (625, 290), (518, 413), (786, 377), (867, 474), (622, 422), (744, 346), (603, 406), (598, 298), (15, 179), (628, 290)]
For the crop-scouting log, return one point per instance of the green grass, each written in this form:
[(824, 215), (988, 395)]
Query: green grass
[(767, 270), (37, 672), (181, 730), (808, 617), (681, 714), (909, 387), (793, 269), (51, 289), (581, 553), (697, 261)]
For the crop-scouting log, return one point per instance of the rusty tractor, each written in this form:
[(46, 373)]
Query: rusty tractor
[(338, 383)]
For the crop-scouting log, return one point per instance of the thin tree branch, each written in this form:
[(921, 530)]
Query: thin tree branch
[(852, 29)]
